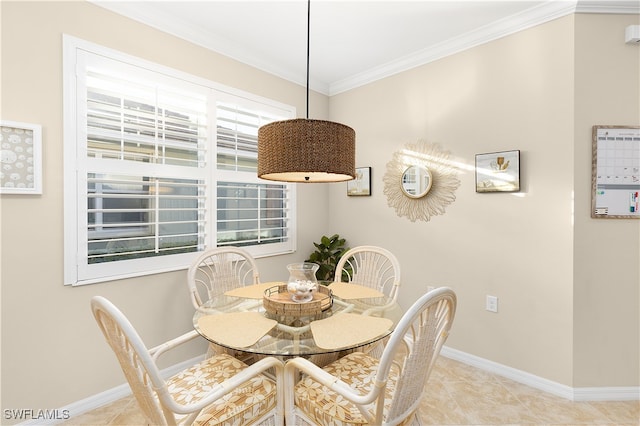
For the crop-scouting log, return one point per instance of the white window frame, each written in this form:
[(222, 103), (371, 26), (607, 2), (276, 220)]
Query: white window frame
[(75, 262)]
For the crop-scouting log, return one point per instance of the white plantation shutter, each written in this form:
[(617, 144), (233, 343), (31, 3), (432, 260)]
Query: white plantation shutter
[(237, 137), (130, 217), (147, 153), (143, 166), (146, 123), (251, 212)]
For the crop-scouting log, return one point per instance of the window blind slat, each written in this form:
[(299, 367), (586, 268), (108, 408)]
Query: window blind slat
[(144, 138), (134, 215), (243, 213), (144, 123), (237, 130)]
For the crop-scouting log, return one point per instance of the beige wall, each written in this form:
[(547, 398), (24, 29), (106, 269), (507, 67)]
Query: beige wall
[(526, 91), (567, 284), (513, 93), (606, 252), (52, 351)]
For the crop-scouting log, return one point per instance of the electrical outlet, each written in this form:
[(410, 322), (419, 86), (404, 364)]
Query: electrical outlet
[(492, 304)]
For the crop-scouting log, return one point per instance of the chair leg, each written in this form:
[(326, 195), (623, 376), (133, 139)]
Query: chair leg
[(289, 398)]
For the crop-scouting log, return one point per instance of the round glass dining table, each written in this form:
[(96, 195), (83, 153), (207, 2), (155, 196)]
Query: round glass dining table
[(356, 319)]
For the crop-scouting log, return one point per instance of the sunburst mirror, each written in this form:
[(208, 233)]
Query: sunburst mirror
[(420, 181)]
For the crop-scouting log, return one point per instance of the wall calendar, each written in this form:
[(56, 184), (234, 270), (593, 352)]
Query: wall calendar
[(615, 178)]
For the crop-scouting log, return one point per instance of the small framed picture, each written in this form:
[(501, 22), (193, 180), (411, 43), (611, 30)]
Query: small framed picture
[(498, 171), (20, 158), (361, 185)]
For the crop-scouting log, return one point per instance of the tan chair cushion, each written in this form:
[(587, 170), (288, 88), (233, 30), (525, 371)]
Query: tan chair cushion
[(242, 406), (324, 406)]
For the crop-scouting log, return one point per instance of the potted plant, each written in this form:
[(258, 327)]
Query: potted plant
[(327, 254)]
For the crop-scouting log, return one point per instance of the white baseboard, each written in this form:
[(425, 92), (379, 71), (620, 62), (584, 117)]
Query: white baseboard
[(631, 393), (103, 398), (628, 393), (574, 394)]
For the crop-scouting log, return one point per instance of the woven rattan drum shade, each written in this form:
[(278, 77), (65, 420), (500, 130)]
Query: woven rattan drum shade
[(304, 150)]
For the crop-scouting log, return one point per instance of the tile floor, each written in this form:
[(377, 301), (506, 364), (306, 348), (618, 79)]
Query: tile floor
[(458, 395)]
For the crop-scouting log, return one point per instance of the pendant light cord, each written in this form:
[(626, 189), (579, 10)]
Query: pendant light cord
[(308, 37)]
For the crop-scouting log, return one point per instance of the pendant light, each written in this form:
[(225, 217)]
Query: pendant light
[(305, 150)]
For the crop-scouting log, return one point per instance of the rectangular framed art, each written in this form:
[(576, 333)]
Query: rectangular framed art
[(20, 158), (361, 185), (498, 171)]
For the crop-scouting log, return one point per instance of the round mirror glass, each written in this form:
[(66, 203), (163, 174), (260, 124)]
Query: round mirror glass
[(416, 181)]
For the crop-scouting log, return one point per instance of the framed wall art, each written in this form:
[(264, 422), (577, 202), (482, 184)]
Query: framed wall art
[(498, 171), (361, 185), (615, 175), (20, 158)]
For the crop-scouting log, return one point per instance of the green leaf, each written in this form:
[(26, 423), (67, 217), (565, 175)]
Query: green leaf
[(327, 254)]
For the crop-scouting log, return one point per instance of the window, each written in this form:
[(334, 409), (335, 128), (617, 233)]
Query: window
[(160, 165)]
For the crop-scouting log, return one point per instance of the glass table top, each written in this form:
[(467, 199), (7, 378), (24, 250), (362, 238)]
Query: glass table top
[(242, 323)]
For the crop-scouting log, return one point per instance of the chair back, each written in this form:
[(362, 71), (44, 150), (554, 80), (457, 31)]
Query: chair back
[(219, 270), (422, 331), (139, 368), (370, 266)]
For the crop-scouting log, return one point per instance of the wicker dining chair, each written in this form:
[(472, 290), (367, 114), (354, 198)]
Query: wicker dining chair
[(218, 270), (219, 390), (370, 266), (373, 267), (358, 389)]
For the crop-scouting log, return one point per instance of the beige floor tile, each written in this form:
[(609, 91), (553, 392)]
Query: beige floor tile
[(620, 412), (101, 416), (488, 402), (129, 416), (456, 394)]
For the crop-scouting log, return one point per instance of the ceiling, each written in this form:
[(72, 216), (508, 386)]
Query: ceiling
[(352, 42)]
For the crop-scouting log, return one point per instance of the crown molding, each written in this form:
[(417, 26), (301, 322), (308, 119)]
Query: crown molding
[(535, 16), (545, 12), (625, 7), (202, 37)]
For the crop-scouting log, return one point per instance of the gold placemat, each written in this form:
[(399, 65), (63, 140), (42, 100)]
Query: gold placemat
[(255, 291), (353, 291), (348, 330), (236, 329)]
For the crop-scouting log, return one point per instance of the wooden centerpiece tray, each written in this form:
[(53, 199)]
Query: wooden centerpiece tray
[(277, 300)]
